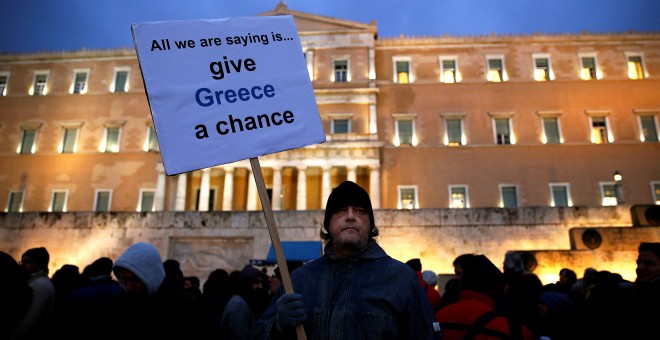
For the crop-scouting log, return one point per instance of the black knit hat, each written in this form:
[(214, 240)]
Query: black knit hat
[(348, 194)]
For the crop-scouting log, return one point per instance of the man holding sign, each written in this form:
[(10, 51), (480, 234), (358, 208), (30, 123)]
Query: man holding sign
[(355, 290)]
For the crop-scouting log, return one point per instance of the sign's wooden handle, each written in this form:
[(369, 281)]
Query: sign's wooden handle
[(274, 235)]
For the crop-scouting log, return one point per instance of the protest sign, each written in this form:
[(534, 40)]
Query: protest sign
[(224, 90)]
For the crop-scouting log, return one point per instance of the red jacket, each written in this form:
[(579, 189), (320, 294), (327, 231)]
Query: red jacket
[(456, 319)]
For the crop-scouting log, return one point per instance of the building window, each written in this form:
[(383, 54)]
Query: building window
[(404, 130), (341, 71), (599, 130), (655, 190), (28, 143), (508, 196), (648, 128), (4, 80), (408, 197), (147, 199), (502, 131), (542, 70), (588, 68), (120, 83), (79, 85), (449, 70), (102, 200), (58, 201), (69, 140), (608, 194), (454, 131), (402, 72), (15, 202), (560, 195), (151, 142), (551, 132), (636, 68), (496, 71), (458, 197), (341, 126), (39, 84), (110, 142)]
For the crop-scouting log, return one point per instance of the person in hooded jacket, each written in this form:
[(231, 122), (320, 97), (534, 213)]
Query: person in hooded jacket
[(355, 290), (150, 307)]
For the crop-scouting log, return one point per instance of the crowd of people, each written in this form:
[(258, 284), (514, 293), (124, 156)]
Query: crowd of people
[(353, 291)]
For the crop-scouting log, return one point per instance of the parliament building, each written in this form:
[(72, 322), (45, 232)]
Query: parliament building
[(534, 120)]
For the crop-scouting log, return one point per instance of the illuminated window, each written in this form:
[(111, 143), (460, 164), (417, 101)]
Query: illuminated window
[(542, 70), (408, 197), (508, 196), (405, 132), (151, 142), (79, 85), (502, 131), (147, 199), (655, 188), (28, 141), (111, 139), (102, 199), (58, 200), (588, 67), (648, 128), (608, 194), (15, 202), (495, 69), (551, 134), (39, 84), (458, 197), (69, 140), (341, 71), (449, 70), (120, 83), (560, 195), (599, 130), (402, 72), (635, 66), (4, 80), (454, 132)]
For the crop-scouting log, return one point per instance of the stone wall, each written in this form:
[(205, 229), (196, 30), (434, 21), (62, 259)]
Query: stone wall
[(203, 241)]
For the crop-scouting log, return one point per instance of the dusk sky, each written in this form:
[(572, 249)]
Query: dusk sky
[(49, 25)]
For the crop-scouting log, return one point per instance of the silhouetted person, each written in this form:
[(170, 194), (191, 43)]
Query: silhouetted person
[(15, 294), (453, 286), (98, 302), (40, 313), (216, 292)]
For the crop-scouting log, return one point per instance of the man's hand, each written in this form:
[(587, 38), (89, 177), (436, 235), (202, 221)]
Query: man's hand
[(290, 310)]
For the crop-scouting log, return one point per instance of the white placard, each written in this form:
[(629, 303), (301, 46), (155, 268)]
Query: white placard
[(224, 90)]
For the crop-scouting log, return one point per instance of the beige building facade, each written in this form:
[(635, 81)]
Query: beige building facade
[(420, 122)]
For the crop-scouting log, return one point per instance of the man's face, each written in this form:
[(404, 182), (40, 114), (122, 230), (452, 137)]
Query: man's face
[(349, 230), (648, 266), (28, 265), (274, 283), (133, 285)]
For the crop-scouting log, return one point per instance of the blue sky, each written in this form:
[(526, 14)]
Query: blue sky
[(37, 25)]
